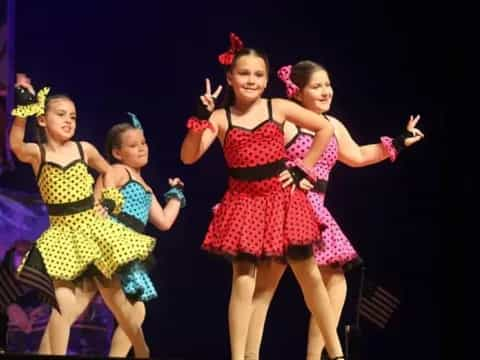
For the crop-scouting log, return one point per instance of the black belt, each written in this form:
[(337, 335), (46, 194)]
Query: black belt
[(71, 208), (320, 186), (130, 221), (259, 172)]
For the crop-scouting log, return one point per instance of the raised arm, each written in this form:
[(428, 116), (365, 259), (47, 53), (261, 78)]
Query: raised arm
[(203, 128), (24, 151), (197, 142), (354, 155)]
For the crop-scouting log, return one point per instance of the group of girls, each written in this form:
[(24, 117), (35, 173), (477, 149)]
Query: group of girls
[(279, 154)]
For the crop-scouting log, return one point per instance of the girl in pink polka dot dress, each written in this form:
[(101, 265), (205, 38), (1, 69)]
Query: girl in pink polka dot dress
[(260, 216), (308, 83)]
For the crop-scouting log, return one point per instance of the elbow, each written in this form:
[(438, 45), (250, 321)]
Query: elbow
[(15, 147), (165, 227), (187, 160), (356, 162)]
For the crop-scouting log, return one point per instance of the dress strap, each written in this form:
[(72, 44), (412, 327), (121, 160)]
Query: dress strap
[(129, 175), (270, 112), (229, 116), (80, 150), (42, 152)]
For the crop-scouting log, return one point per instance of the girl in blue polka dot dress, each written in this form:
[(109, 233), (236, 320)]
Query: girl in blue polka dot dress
[(127, 150)]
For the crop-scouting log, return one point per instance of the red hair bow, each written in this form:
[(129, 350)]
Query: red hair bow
[(236, 44)]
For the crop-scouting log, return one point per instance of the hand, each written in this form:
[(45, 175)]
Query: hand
[(305, 185), (18, 316), (208, 99), (176, 182), (286, 178), (101, 210), (22, 80), (417, 134)]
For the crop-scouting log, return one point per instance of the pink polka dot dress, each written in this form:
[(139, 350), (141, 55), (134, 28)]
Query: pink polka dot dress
[(257, 218), (334, 249)]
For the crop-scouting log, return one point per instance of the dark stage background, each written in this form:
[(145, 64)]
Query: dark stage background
[(151, 58)]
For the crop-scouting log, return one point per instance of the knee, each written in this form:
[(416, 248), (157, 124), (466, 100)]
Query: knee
[(264, 294), (251, 356)]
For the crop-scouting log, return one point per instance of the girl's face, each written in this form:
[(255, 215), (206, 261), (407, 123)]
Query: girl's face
[(317, 94), (248, 78), (133, 150), (59, 120)]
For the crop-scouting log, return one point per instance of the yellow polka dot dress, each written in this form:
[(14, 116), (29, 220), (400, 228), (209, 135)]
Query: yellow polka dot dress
[(78, 239)]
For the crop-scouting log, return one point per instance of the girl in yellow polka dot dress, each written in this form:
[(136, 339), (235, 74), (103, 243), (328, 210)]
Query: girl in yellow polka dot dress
[(80, 251)]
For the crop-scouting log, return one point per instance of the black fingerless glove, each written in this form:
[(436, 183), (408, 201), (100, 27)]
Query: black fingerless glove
[(23, 96), (399, 142)]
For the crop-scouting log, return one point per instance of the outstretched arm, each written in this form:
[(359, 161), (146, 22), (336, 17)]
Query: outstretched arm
[(354, 155)]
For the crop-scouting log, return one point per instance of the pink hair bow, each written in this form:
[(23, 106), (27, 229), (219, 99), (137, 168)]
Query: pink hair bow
[(284, 74)]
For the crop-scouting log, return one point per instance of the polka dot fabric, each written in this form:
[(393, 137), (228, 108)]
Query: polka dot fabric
[(334, 249), (247, 148), (74, 242), (137, 200), (259, 218), (136, 282)]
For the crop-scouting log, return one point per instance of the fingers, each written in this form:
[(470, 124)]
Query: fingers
[(417, 132), (101, 210), (204, 100), (305, 185), (175, 181), (412, 122), (412, 140), (208, 88), (285, 178), (217, 92)]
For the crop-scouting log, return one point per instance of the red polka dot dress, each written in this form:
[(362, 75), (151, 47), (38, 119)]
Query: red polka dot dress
[(334, 249), (257, 217)]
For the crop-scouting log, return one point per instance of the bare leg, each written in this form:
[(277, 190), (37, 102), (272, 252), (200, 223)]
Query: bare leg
[(337, 291), (120, 342), (240, 306), (268, 276), (72, 301), (318, 302), (115, 299)]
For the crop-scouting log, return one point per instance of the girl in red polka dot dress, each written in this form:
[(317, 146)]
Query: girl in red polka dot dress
[(261, 217), (309, 84)]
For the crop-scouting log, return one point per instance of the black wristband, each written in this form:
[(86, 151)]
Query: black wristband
[(399, 142), (202, 112), (297, 174), (23, 96), (109, 204)]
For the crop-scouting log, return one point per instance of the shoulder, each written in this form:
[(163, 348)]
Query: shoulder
[(337, 124), (87, 147), (118, 173), (281, 103)]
